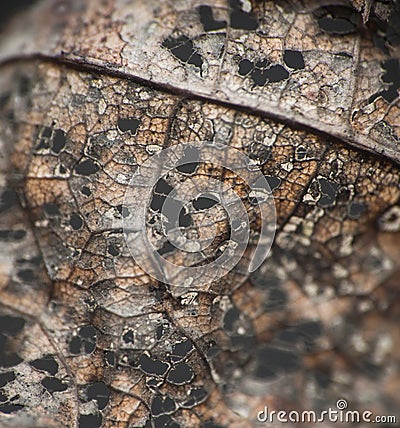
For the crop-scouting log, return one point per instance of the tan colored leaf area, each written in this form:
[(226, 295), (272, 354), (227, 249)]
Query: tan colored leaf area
[(88, 338)]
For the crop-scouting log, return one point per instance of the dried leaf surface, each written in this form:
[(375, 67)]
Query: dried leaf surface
[(87, 338)]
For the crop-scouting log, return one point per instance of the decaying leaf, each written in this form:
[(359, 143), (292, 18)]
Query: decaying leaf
[(91, 90)]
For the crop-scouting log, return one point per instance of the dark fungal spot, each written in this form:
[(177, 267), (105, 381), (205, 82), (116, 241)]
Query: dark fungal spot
[(240, 19), (10, 408), (337, 19), (336, 25), (99, 392), (162, 406), (262, 72), (86, 191), (12, 235), (167, 247), (51, 210), (53, 384), (190, 161), (86, 167), (180, 350), (112, 250), (59, 141), (76, 221), (392, 77), (109, 357), (123, 211), (6, 378), (204, 202), (8, 199), (293, 59), (184, 220), (46, 363), (165, 421), (276, 73), (356, 210), (90, 421), (208, 21), (26, 275), (152, 366), (230, 319), (182, 48), (11, 325), (84, 342), (157, 202), (329, 191), (196, 397), (9, 360), (159, 332), (162, 187), (130, 124), (245, 67), (273, 182), (180, 374), (128, 336), (271, 361)]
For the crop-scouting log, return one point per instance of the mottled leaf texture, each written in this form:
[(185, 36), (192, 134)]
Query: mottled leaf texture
[(91, 90)]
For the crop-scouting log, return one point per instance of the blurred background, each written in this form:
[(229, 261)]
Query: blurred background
[(8, 8)]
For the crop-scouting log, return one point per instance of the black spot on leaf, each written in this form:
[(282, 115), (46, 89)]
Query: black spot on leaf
[(113, 250), (84, 342), (208, 21), (161, 406), (86, 191), (6, 378), (130, 124), (190, 161), (204, 202), (293, 59), (12, 235), (165, 421), (59, 141), (180, 374), (182, 48), (26, 275), (46, 363), (356, 210), (273, 182), (196, 396), (128, 336), (8, 199), (392, 77), (90, 421), (329, 189), (152, 366), (76, 221), (240, 19), (51, 210), (245, 66), (10, 408), (11, 325), (337, 19), (180, 350), (86, 167), (53, 384), (99, 392)]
